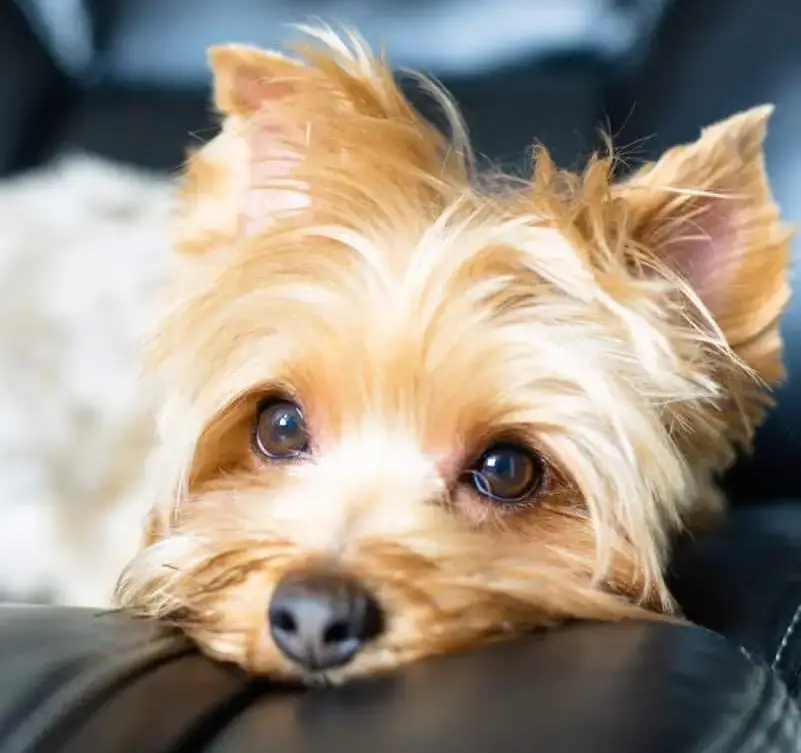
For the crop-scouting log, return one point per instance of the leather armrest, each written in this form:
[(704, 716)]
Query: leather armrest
[(744, 581), (75, 681)]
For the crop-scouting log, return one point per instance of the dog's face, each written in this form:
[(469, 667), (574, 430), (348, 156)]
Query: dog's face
[(406, 415)]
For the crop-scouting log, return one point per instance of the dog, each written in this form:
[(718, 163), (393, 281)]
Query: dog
[(407, 407)]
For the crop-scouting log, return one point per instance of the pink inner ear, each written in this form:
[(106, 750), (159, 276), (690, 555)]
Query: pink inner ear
[(705, 250), (255, 90), (272, 191)]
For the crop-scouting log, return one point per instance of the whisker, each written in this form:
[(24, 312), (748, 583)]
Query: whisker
[(110, 612)]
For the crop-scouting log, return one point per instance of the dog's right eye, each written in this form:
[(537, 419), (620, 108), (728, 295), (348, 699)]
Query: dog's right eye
[(280, 432)]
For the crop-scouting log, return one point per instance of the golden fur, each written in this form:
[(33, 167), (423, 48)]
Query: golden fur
[(333, 246)]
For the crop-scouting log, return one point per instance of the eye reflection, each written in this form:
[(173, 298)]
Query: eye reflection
[(280, 431), (507, 474)]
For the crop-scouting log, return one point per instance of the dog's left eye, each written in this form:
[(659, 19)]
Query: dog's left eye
[(508, 474), (281, 432)]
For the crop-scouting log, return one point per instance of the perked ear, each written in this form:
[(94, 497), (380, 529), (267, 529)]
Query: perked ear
[(706, 210), (289, 126), (243, 180), (246, 79)]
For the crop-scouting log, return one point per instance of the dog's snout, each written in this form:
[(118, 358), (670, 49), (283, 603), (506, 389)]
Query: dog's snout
[(321, 620)]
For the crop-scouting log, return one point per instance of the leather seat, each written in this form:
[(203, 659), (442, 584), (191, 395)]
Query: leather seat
[(72, 680)]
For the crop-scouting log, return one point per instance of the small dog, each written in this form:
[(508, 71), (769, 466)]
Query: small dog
[(409, 409)]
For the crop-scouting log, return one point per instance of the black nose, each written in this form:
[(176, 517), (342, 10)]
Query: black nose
[(321, 620)]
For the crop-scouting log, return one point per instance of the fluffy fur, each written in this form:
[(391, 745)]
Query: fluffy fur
[(333, 246), (82, 252)]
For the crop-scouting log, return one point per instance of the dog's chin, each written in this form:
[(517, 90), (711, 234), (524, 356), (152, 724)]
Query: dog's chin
[(375, 660)]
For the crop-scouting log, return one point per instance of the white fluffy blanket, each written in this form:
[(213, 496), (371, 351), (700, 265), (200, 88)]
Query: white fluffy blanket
[(82, 249)]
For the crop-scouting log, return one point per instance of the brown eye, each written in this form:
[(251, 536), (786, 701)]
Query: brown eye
[(280, 430), (507, 474)]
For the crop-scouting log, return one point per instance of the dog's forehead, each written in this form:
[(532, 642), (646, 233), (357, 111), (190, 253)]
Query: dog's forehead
[(465, 319), (448, 327), (409, 267), (393, 286)]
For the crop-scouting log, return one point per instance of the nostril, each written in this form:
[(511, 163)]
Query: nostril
[(284, 620), (370, 620), (337, 632), (321, 620)]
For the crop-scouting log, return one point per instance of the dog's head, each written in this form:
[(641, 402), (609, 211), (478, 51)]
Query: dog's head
[(408, 413)]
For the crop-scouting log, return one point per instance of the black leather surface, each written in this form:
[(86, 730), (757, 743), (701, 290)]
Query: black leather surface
[(72, 681), (745, 582)]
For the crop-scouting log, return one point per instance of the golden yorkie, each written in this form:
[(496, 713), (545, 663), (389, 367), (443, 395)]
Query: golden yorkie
[(410, 408)]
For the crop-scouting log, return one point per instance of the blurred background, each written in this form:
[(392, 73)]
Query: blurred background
[(127, 79)]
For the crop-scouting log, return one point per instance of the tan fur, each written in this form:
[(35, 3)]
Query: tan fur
[(334, 246)]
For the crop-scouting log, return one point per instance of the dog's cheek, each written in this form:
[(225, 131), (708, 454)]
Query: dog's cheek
[(234, 628)]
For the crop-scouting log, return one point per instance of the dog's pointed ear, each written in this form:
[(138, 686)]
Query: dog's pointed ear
[(246, 79), (242, 180), (706, 210), (290, 124)]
